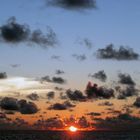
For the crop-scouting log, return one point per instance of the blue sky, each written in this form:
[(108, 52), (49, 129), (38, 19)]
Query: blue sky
[(113, 21)]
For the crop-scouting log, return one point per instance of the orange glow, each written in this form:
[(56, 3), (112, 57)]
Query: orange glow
[(72, 129)]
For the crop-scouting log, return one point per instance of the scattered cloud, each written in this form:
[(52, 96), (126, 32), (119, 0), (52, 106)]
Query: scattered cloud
[(58, 80), (33, 96), (22, 106), (61, 106), (99, 75), (13, 32), (93, 91), (93, 114), (73, 4), (3, 75), (125, 79), (80, 57), (58, 72), (76, 95), (15, 65), (106, 103), (129, 91), (137, 102), (123, 53), (50, 95), (122, 122), (50, 123), (55, 57)]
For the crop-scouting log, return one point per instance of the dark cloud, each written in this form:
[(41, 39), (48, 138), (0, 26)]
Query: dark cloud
[(93, 91), (61, 106), (58, 72), (81, 57), (58, 88), (83, 123), (123, 53), (22, 106), (99, 75), (58, 80), (33, 96), (9, 103), (106, 103), (27, 107), (73, 4), (125, 79), (3, 75), (127, 92), (13, 32), (120, 122), (46, 79), (2, 115), (93, 114), (113, 111), (75, 95), (49, 123), (137, 102), (50, 95)]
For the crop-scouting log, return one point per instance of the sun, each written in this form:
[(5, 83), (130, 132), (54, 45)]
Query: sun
[(72, 129)]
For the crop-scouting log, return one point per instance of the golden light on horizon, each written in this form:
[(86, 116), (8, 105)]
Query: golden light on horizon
[(73, 129)]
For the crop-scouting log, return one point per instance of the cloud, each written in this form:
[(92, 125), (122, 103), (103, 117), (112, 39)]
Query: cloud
[(76, 95), (9, 103), (93, 114), (58, 72), (80, 57), (33, 96), (106, 103), (86, 42), (123, 53), (73, 4), (50, 123), (27, 107), (58, 88), (2, 115), (127, 92), (50, 95), (122, 122), (93, 91), (58, 80), (125, 79), (99, 75), (61, 106), (137, 102), (22, 106), (83, 123), (13, 32), (15, 65), (3, 75), (55, 57)]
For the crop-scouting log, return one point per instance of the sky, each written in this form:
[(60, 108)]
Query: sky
[(50, 50)]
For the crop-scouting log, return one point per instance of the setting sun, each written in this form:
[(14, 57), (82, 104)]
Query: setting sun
[(72, 129)]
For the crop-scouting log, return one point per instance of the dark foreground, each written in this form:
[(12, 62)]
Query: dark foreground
[(64, 135)]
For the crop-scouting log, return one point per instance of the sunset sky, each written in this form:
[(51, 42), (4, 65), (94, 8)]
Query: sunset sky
[(52, 50)]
